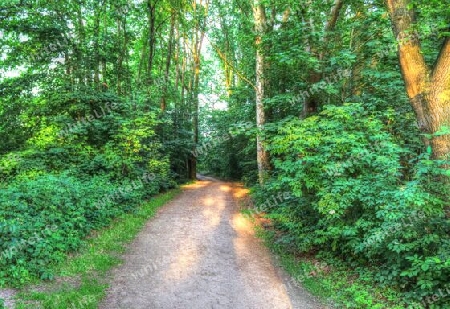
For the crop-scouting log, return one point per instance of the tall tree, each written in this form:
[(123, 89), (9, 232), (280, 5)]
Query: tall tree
[(321, 51), (260, 20), (428, 88), (151, 19), (170, 47), (200, 12)]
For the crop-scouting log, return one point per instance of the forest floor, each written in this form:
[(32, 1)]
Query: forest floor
[(200, 252)]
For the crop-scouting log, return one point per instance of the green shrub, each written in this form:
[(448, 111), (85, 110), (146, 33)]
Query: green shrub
[(352, 201), (44, 217), (60, 186)]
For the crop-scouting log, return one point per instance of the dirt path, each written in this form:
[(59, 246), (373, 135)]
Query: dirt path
[(200, 253)]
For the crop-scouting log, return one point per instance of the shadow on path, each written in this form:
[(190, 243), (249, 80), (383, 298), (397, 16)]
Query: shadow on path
[(200, 252)]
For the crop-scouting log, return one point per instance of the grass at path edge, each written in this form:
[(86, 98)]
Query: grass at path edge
[(335, 285), (89, 267)]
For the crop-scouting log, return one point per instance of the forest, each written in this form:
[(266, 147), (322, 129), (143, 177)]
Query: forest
[(343, 107)]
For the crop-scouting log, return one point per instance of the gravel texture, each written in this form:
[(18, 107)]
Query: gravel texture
[(199, 252)]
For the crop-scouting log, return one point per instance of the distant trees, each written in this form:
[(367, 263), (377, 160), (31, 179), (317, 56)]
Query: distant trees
[(318, 78), (321, 80), (76, 53)]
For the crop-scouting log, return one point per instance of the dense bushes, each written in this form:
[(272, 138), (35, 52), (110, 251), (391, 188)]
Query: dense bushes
[(60, 187), (44, 214), (352, 200), (42, 218)]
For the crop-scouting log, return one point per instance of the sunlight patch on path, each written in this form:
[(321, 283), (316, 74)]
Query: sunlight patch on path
[(206, 257)]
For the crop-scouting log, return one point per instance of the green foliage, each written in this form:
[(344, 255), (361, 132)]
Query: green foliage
[(83, 136), (43, 218), (55, 192), (97, 255), (340, 286), (81, 90), (351, 200)]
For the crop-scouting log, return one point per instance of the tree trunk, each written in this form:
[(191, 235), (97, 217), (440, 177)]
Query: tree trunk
[(197, 42), (195, 97), (79, 47), (119, 59), (168, 61), (97, 46), (262, 156), (310, 106), (428, 89), (127, 77), (142, 59), (358, 37), (177, 58), (151, 15)]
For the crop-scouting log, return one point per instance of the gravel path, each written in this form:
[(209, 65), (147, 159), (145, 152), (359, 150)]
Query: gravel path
[(200, 253)]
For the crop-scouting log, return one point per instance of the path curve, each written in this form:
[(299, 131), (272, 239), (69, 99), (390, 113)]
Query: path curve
[(199, 252)]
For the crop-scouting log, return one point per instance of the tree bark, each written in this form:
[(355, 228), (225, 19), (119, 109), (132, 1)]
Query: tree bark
[(334, 15), (428, 89), (197, 43), (262, 156), (168, 61), (151, 19), (97, 45), (79, 47), (310, 106), (119, 59)]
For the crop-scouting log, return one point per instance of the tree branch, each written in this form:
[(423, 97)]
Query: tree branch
[(286, 15), (441, 70), (331, 23), (414, 69)]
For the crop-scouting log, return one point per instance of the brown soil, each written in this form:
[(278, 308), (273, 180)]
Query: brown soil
[(200, 252)]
